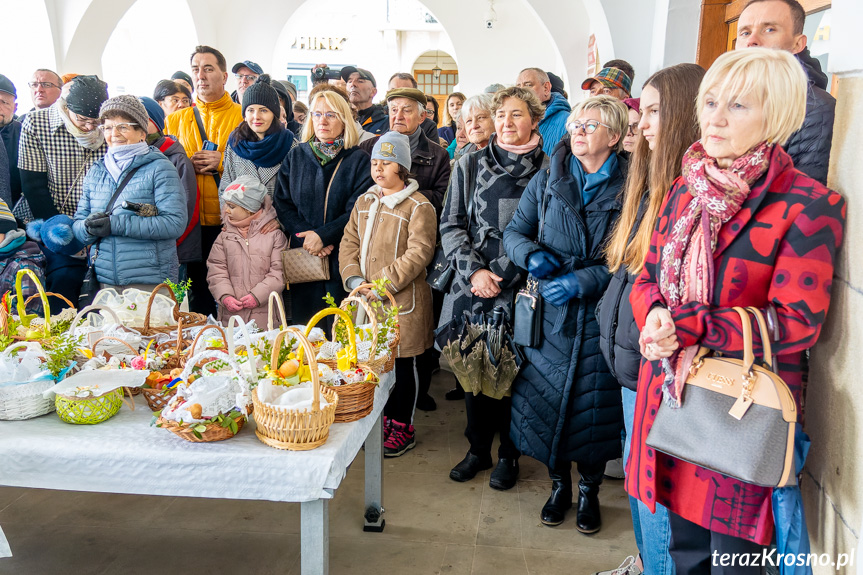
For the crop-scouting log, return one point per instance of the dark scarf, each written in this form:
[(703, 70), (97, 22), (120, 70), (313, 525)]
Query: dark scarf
[(415, 139), (516, 165), (326, 151), (264, 153), (591, 184)]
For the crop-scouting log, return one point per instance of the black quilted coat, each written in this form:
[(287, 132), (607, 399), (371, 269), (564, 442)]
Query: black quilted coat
[(565, 403), (809, 147)]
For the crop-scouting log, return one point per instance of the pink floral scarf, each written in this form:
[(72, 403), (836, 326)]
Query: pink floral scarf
[(686, 269)]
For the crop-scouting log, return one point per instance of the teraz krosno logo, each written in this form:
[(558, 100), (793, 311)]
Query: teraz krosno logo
[(775, 559)]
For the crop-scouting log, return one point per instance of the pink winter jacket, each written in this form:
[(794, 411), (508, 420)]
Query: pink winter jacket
[(238, 266)]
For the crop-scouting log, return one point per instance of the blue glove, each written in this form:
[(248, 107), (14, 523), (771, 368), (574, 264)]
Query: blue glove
[(561, 289), (542, 264)]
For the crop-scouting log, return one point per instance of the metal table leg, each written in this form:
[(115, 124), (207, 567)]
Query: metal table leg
[(315, 537), (374, 520)]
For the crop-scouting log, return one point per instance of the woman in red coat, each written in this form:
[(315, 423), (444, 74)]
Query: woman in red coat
[(741, 227)]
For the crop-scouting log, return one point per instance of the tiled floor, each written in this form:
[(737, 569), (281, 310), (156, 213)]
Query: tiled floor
[(433, 525)]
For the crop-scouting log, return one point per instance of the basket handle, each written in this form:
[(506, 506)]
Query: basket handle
[(212, 354), (131, 402), (277, 297), (112, 338), (28, 345), (373, 287), (342, 315), (153, 297), (56, 295), (236, 320), (372, 318), (89, 309), (20, 304), (313, 364), (205, 329)]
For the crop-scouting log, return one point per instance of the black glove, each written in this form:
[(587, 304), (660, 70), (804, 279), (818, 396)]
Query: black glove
[(98, 224)]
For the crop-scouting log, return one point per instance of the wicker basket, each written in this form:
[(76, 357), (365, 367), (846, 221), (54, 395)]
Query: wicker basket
[(21, 305), (157, 399), (90, 410), (189, 319), (356, 400), (276, 298), (128, 391), (25, 401), (88, 310), (214, 430), (394, 345), (291, 429)]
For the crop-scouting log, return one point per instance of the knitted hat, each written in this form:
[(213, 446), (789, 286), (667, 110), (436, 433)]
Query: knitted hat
[(556, 83), (247, 192), (393, 147), (128, 105), (155, 111), (263, 94), (86, 96), (7, 86), (610, 78)]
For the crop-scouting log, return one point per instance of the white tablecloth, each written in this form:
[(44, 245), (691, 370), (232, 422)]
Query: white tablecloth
[(126, 455)]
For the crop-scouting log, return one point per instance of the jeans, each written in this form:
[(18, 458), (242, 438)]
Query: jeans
[(652, 531)]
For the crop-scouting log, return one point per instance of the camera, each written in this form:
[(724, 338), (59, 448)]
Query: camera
[(489, 23), (323, 73)]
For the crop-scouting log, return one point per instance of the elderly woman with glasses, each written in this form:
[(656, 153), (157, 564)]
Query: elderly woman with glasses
[(565, 403), (318, 183), (133, 235)]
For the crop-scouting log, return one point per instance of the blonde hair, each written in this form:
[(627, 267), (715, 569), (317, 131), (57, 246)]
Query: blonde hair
[(612, 111), (342, 109), (773, 77)]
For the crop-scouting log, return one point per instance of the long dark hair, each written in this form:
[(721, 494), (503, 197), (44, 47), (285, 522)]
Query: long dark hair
[(244, 132), (167, 88), (431, 100)]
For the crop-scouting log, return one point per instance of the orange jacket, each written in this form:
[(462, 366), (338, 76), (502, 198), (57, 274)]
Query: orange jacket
[(220, 118)]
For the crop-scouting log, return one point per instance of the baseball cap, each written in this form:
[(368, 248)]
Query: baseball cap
[(610, 78), (364, 74), (7, 86), (247, 64)]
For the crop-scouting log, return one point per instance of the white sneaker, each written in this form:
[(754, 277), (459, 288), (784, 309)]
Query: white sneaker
[(628, 567), (614, 469)]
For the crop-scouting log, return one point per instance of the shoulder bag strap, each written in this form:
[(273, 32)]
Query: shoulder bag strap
[(543, 206), (330, 185), (111, 202), (203, 132)]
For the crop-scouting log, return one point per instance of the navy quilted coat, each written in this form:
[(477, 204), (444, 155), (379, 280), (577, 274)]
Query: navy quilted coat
[(565, 403), (139, 249)]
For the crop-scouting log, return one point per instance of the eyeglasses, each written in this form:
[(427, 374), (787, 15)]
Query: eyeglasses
[(43, 85), (245, 77), (123, 129), (84, 120), (589, 126), (430, 111), (632, 129), (175, 100), (330, 116)]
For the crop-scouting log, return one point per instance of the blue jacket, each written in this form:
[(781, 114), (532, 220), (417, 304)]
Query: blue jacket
[(139, 249), (552, 127), (566, 405)]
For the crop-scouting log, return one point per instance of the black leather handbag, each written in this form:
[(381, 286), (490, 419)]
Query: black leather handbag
[(441, 271), (527, 316)]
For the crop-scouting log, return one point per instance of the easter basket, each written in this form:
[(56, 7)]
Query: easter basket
[(11, 327), (296, 429), (82, 402), (394, 341), (188, 319), (228, 417), (356, 400), (26, 400)]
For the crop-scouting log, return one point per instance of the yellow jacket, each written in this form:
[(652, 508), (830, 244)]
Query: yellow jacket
[(220, 118)]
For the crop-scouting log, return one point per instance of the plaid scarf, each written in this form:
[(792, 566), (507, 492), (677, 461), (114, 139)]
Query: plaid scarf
[(686, 270)]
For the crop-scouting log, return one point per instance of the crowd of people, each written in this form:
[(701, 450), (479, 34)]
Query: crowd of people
[(638, 223)]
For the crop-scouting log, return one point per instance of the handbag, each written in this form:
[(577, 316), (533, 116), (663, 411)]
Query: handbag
[(527, 315), (441, 270), (737, 418), (90, 286), (298, 265)]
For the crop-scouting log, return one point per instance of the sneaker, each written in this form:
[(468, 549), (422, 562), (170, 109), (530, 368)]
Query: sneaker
[(388, 427), (628, 567), (614, 469), (402, 437)]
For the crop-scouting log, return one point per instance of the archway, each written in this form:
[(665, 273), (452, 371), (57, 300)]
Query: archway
[(436, 73), (142, 50)]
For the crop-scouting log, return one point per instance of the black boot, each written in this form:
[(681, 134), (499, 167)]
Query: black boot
[(455, 393), (588, 519), (504, 475), (468, 467), (560, 501)]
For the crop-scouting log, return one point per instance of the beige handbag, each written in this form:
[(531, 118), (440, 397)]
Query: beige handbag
[(737, 417), (298, 265)]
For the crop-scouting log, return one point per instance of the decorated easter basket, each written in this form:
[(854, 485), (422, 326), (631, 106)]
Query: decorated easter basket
[(90, 410), (226, 426), (189, 319), (8, 325), (394, 343), (25, 401), (296, 430), (132, 351)]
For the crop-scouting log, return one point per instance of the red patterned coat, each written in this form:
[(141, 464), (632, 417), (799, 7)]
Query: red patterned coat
[(779, 248)]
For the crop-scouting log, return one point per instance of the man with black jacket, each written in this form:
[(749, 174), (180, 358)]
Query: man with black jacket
[(361, 88), (10, 133), (778, 24)]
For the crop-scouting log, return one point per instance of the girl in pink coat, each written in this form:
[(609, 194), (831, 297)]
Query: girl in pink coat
[(245, 263)]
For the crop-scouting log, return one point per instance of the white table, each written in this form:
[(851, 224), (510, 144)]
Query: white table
[(126, 455)]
